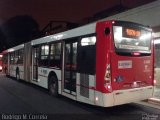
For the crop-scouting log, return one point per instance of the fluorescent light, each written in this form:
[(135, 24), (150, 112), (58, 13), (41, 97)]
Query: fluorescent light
[(157, 41)]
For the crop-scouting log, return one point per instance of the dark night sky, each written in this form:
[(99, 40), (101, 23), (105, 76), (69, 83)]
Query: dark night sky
[(44, 11)]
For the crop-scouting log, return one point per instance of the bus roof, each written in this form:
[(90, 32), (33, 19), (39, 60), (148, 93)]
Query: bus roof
[(84, 30), (14, 48)]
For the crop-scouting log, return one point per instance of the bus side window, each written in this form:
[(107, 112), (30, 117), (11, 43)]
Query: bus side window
[(12, 58), (55, 55), (16, 57), (86, 55), (44, 55), (20, 57)]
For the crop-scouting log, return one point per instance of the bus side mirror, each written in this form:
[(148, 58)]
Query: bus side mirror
[(107, 31)]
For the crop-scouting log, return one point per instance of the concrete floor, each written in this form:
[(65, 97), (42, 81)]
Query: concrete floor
[(20, 98)]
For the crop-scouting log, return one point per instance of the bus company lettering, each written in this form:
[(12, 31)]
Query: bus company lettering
[(124, 64)]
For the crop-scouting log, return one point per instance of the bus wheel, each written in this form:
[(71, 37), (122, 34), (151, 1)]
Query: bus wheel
[(17, 75), (53, 86)]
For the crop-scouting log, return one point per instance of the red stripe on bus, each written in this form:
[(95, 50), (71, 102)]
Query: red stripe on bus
[(90, 87)]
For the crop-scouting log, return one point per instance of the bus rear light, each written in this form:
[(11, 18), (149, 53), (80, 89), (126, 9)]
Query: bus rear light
[(136, 53), (107, 81), (107, 74), (135, 85), (108, 87), (0, 67)]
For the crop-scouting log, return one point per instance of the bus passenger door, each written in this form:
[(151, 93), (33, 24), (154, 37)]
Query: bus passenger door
[(35, 55), (70, 67)]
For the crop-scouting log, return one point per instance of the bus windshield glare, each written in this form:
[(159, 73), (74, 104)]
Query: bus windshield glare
[(133, 39)]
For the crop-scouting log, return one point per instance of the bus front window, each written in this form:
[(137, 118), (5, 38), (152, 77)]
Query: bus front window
[(132, 39)]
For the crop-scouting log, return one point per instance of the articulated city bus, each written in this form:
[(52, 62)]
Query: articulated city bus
[(105, 63)]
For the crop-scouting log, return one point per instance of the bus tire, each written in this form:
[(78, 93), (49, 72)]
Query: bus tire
[(53, 86), (17, 74)]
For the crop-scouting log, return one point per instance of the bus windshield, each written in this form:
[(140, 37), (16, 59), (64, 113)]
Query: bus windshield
[(132, 38)]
